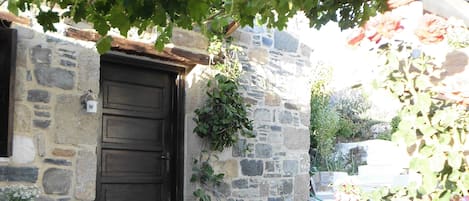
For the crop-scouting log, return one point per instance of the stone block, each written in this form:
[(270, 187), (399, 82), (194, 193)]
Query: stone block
[(240, 148), (88, 76), (267, 41), (285, 117), (263, 115), (41, 114), (43, 198), (38, 96), (55, 77), (290, 167), (73, 125), (264, 189), (23, 119), (272, 99), (270, 166), (246, 193), (301, 187), (57, 181), (18, 174), (305, 163), (223, 189), (259, 55), (24, 32), (285, 41), (305, 118), (291, 106), (63, 152), (40, 144), (275, 199), (23, 150), (296, 139), (286, 187), (252, 167), (42, 107), (40, 55), (67, 63), (60, 162), (39, 123), (85, 187), (229, 168), (276, 128), (263, 150), (20, 91), (245, 38), (240, 183)]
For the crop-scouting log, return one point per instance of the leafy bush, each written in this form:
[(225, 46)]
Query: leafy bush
[(20, 193), (351, 104), (325, 134)]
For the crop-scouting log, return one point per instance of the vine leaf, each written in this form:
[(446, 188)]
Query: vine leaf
[(12, 6), (47, 20), (104, 44), (119, 20)]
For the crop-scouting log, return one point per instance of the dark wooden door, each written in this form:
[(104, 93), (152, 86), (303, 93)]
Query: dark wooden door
[(8, 39), (136, 144)]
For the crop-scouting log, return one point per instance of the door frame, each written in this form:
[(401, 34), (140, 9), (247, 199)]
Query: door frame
[(177, 108)]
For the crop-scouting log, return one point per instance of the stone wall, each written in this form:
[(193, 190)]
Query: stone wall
[(54, 138), (275, 81)]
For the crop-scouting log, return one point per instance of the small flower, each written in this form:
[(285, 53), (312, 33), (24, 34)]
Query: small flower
[(356, 37), (432, 29), (382, 26)]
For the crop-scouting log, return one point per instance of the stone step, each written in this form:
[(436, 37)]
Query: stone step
[(380, 181), (379, 170), (378, 152)]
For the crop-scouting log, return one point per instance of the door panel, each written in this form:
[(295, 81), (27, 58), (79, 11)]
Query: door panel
[(133, 97), (137, 192), (132, 163), (133, 131), (137, 138)]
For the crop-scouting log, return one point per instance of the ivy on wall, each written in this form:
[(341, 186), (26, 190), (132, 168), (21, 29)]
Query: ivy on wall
[(222, 119)]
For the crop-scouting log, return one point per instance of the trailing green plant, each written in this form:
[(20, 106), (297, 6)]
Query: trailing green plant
[(223, 115), (203, 173), (223, 118)]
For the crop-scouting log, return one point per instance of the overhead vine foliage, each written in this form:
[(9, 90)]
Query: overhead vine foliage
[(210, 16)]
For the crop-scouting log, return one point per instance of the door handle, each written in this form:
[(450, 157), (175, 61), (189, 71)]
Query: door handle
[(165, 156)]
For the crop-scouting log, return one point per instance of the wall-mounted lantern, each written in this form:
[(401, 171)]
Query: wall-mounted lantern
[(89, 101)]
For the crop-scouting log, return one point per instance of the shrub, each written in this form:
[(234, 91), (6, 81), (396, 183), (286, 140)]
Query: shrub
[(20, 193)]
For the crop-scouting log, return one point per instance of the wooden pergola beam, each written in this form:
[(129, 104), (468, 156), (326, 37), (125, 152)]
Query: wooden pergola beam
[(140, 48), (13, 18)]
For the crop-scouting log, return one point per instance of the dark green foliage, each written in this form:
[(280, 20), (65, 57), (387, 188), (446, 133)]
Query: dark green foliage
[(210, 16), (223, 115), (395, 124), (203, 173)]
